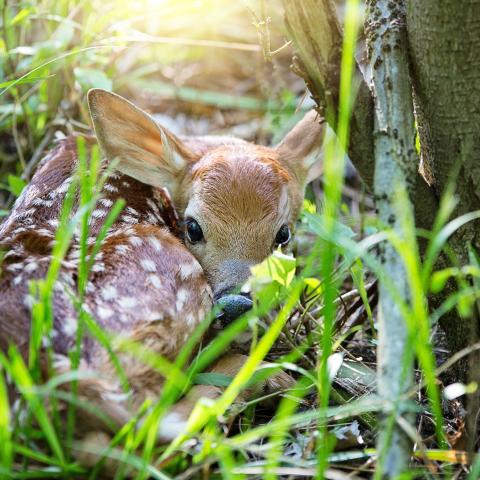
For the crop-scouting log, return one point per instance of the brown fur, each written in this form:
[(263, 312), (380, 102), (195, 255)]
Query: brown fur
[(146, 285)]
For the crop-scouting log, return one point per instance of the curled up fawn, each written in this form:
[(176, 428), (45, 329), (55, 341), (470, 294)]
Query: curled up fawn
[(236, 201)]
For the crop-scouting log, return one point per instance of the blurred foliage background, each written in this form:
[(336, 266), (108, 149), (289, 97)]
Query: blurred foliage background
[(205, 66)]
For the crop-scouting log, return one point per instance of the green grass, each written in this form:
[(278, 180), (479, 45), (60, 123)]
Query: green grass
[(50, 54)]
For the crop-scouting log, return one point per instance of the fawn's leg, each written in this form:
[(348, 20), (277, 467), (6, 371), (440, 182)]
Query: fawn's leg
[(229, 364)]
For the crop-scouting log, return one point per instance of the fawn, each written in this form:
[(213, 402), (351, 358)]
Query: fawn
[(237, 201)]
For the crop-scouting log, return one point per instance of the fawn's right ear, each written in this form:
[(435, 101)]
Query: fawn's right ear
[(143, 149)]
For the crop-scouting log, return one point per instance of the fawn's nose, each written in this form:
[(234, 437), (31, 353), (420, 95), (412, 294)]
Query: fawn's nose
[(233, 306)]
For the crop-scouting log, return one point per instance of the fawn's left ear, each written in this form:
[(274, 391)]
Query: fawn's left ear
[(301, 149), (144, 150)]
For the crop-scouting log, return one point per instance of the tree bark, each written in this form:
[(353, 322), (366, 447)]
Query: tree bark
[(444, 48), (316, 33), (395, 166), (317, 36)]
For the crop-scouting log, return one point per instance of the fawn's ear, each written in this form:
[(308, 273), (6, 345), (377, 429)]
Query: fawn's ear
[(301, 149), (143, 149)]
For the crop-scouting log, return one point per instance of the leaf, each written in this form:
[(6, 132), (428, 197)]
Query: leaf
[(277, 267), (317, 224), (312, 286), (23, 81), (212, 378), (92, 78), (309, 207), (16, 184), (21, 16), (440, 278)]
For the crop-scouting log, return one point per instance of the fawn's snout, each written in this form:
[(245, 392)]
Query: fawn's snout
[(232, 274)]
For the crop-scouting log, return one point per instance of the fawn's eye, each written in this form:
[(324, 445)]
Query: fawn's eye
[(194, 231), (283, 235)]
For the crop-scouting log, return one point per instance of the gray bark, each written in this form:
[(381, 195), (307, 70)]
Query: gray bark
[(396, 164), (444, 43)]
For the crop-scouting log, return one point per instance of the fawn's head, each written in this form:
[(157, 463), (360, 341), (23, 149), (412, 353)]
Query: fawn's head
[(238, 200)]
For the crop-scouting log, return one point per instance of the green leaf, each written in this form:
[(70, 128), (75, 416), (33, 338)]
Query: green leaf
[(92, 78), (309, 207), (212, 378), (16, 184), (318, 226), (440, 278), (24, 80), (21, 16), (277, 267)]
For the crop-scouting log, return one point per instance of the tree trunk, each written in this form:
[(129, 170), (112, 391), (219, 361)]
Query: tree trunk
[(444, 42), (444, 48), (396, 164), (313, 26)]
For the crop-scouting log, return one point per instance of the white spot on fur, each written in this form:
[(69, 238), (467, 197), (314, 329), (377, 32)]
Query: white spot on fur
[(191, 319), (53, 222), (135, 241), (64, 186), (152, 218), (31, 267), (116, 397), (17, 280), (129, 219), (104, 312), (98, 267), (74, 254), (110, 188), (14, 266), (127, 302), (188, 270), (106, 202), (109, 292), (28, 301), (122, 249), (155, 242), (29, 212), (153, 316), (182, 296), (70, 326), (153, 206), (99, 213), (155, 280), (132, 211), (44, 232), (148, 265)]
